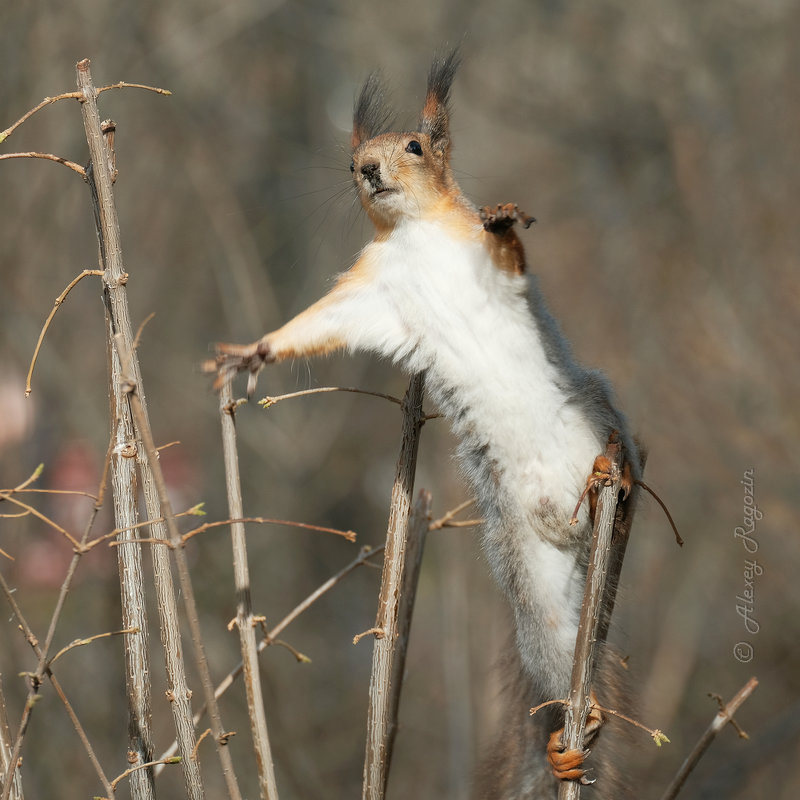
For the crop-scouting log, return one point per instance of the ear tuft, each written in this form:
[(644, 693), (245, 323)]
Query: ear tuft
[(435, 119), (370, 116)]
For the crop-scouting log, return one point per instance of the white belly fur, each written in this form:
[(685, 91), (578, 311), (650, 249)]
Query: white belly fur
[(525, 445)]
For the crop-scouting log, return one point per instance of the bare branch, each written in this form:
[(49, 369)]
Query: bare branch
[(38, 514), (138, 336), (724, 716), (8, 783), (9, 769), (75, 96), (589, 624), (349, 535), (244, 608), (124, 85), (382, 703), (56, 305), (88, 640), (123, 463), (148, 765), (268, 402), (28, 114), (364, 557), (187, 590), (42, 653), (48, 157)]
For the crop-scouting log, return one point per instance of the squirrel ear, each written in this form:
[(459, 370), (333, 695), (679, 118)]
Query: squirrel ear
[(370, 116), (435, 119)]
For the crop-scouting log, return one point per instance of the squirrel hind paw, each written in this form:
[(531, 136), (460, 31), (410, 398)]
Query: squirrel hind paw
[(567, 765), (503, 217)]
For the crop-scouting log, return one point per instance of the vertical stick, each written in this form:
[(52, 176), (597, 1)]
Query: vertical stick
[(125, 455), (415, 546), (221, 736), (244, 610), (7, 768), (380, 717), (583, 662)]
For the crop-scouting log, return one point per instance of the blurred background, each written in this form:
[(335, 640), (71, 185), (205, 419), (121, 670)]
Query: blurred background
[(659, 147)]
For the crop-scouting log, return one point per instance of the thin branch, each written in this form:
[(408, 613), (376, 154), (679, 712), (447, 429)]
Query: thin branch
[(48, 157), (365, 555), (60, 491), (88, 640), (34, 476), (655, 734), (724, 716), (363, 558), (268, 402), (30, 702), (38, 514), (28, 114), (124, 85), (56, 305), (381, 708), (136, 340), (143, 428), (75, 96), (148, 765), (8, 769), (349, 535), (578, 708), (244, 607), (145, 523), (42, 653), (447, 518)]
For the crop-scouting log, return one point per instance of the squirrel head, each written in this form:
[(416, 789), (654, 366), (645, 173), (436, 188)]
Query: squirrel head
[(404, 175)]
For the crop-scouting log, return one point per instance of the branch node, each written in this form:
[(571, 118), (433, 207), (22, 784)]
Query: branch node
[(378, 633)]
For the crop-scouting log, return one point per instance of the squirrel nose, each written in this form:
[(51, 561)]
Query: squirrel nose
[(370, 169)]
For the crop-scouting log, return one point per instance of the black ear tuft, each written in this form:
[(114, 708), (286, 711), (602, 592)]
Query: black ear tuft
[(370, 116), (435, 119)]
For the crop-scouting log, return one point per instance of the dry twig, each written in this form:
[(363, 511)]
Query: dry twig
[(56, 305), (589, 624), (268, 402), (123, 463), (724, 716), (244, 608), (380, 712)]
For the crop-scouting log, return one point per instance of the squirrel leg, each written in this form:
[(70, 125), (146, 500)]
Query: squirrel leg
[(601, 473), (567, 765), (503, 217)]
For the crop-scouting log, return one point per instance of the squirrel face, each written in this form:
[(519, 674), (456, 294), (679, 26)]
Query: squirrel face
[(400, 175), (404, 175)]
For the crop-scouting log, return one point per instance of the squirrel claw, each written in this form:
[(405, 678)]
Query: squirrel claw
[(501, 218), (567, 765), (231, 359)]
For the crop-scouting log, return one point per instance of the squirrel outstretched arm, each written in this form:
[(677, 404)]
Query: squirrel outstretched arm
[(443, 288)]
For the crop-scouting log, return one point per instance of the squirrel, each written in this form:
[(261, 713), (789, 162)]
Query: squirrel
[(443, 288)]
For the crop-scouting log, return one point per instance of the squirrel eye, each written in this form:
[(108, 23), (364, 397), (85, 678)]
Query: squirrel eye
[(414, 147), (352, 166)]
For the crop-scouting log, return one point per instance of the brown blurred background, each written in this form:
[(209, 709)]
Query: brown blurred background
[(659, 147)]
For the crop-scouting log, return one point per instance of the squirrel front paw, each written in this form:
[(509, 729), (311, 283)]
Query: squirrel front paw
[(567, 765), (501, 218), (231, 359)]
